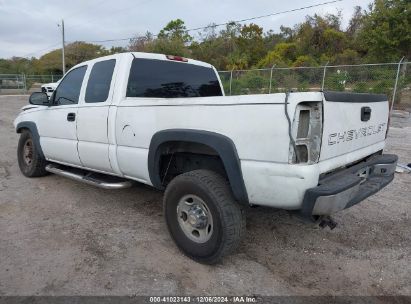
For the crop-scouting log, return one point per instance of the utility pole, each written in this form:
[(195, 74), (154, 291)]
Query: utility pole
[(62, 49)]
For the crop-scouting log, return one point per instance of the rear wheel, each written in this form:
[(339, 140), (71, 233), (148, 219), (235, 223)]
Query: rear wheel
[(202, 216), (31, 162)]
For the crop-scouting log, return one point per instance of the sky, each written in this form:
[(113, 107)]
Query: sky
[(30, 28)]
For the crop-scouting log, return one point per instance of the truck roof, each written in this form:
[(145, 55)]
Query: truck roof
[(164, 57), (146, 56)]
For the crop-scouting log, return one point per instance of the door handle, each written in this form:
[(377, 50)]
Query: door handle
[(71, 116)]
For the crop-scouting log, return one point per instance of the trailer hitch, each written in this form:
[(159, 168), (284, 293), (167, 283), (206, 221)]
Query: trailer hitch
[(327, 221)]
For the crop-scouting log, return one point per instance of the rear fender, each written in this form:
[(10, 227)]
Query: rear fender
[(223, 145)]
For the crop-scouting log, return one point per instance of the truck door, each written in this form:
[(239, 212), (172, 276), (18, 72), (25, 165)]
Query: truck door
[(57, 125), (93, 111)]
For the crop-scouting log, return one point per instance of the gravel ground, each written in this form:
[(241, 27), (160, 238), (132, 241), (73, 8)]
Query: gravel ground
[(60, 237)]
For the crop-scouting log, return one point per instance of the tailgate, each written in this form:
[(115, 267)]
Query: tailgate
[(352, 121)]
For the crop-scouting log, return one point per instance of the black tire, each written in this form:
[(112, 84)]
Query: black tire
[(228, 218), (36, 166)]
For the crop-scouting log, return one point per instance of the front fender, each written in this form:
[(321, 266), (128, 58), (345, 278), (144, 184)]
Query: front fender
[(31, 126)]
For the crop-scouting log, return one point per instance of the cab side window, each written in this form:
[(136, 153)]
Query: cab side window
[(99, 81), (68, 91)]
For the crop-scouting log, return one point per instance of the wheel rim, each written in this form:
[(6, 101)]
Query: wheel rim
[(28, 152), (194, 218)]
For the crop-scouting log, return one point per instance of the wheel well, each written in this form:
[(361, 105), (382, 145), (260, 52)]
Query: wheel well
[(32, 128), (177, 157), (20, 130), (194, 149)]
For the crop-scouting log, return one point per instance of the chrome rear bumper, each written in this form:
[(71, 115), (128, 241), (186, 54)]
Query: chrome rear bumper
[(350, 186)]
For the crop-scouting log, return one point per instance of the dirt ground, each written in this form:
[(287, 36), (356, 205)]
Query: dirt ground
[(60, 237)]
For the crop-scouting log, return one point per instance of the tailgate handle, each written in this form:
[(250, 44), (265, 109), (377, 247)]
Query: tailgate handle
[(365, 113)]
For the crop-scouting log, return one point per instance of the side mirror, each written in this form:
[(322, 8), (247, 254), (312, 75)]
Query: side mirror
[(39, 99)]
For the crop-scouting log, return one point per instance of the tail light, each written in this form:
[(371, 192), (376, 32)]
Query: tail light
[(307, 133), (176, 58)]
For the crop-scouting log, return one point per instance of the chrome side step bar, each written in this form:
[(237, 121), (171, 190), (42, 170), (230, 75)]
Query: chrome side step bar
[(91, 178)]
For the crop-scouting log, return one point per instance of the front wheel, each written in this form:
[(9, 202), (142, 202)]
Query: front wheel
[(31, 162), (202, 216)]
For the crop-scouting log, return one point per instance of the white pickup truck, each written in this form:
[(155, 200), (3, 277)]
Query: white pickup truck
[(164, 121)]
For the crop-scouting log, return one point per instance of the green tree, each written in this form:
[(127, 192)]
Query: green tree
[(251, 43), (169, 47), (348, 56), (334, 41), (386, 31), (173, 39), (17, 65), (79, 51), (316, 35), (271, 39), (220, 49), (141, 43), (75, 53), (51, 62), (283, 54), (304, 60), (355, 23), (116, 50), (175, 30), (237, 61)]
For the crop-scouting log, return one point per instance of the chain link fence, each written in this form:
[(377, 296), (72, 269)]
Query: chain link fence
[(403, 90), (11, 84), (392, 79)]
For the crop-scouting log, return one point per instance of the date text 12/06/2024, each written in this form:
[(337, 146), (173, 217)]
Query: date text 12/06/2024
[(205, 299)]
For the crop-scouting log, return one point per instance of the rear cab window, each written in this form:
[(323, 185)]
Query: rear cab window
[(153, 78)]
